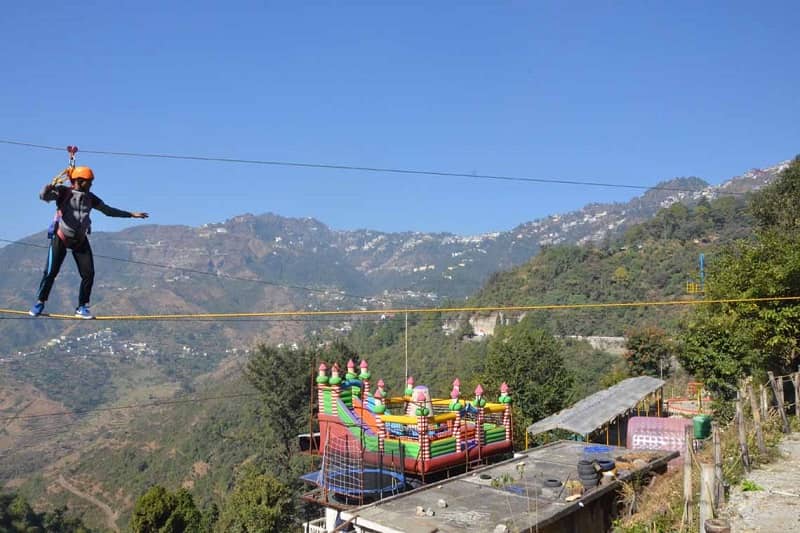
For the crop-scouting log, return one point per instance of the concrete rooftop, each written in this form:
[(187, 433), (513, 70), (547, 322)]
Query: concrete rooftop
[(519, 498)]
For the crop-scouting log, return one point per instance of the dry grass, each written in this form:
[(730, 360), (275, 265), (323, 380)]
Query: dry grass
[(659, 508)]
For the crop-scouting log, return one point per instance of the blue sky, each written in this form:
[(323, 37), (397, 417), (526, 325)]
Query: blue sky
[(622, 92)]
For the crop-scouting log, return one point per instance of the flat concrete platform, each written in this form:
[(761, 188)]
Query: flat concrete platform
[(513, 494)]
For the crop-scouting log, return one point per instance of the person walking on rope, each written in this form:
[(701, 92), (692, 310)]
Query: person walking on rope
[(72, 226)]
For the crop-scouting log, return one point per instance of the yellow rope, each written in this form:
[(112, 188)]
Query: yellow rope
[(349, 312)]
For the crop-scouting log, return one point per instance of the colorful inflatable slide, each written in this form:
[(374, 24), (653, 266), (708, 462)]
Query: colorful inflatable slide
[(423, 434)]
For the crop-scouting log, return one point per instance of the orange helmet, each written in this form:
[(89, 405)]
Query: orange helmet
[(84, 173)]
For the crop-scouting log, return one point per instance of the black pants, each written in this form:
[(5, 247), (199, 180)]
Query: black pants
[(82, 253)]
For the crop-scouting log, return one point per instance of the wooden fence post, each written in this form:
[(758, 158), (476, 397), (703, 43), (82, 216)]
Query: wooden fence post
[(779, 399), (742, 432), (797, 393), (706, 494), (762, 447), (687, 477), (762, 390), (719, 489)]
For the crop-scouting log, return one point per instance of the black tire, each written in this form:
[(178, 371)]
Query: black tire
[(606, 465)]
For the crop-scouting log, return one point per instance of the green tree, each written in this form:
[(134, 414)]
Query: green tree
[(587, 365), (620, 275), (22, 515), (257, 503), (465, 329), (778, 206), (718, 349), (161, 511), (210, 516), (58, 522), (528, 359), (648, 351), (16, 515), (282, 375), (613, 376), (729, 340), (726, 341)]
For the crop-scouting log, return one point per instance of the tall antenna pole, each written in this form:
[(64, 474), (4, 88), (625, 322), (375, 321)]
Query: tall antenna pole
[(702, 272), (406, 345)]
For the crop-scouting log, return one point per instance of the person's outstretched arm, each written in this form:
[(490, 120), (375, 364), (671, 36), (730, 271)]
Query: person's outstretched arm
[(118, 213)]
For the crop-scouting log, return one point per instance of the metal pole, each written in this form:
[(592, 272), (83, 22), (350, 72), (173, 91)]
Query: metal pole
[(406, 349)]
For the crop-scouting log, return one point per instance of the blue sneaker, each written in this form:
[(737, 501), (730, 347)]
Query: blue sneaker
[(37, 309), (83, 312)]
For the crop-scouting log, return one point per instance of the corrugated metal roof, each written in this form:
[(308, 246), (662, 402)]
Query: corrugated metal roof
[(594, 411)]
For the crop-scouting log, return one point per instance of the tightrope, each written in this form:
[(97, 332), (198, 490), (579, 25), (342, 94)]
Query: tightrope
[(421, 310)]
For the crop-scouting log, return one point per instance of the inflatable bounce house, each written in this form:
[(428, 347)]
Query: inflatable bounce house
[(416, 433)]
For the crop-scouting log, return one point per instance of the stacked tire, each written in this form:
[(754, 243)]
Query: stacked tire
[(588, 473)]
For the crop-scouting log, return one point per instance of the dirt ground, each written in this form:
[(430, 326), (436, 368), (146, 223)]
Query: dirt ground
[(775, 508)]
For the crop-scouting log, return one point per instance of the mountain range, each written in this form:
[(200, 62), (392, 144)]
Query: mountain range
[(257, 263)]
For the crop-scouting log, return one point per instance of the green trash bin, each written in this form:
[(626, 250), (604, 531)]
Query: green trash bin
[(702, 426)]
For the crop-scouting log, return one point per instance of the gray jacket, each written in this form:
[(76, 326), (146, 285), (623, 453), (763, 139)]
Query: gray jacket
[(74, 207)]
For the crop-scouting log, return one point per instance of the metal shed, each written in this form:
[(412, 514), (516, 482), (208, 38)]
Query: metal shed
[(601, 408)]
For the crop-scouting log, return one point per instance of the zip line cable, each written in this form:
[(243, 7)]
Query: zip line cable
[(421, 310), (385, 170)]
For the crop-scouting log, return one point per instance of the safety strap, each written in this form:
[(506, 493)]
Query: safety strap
[(55, 226), (69, 243)]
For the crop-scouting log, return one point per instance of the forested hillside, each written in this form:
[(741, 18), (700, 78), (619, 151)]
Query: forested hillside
[(650, 262)]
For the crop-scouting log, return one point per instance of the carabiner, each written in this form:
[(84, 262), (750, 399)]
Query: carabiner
[(72, 151)]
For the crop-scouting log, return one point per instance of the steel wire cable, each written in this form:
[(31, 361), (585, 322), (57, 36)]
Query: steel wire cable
[(384, 170)]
